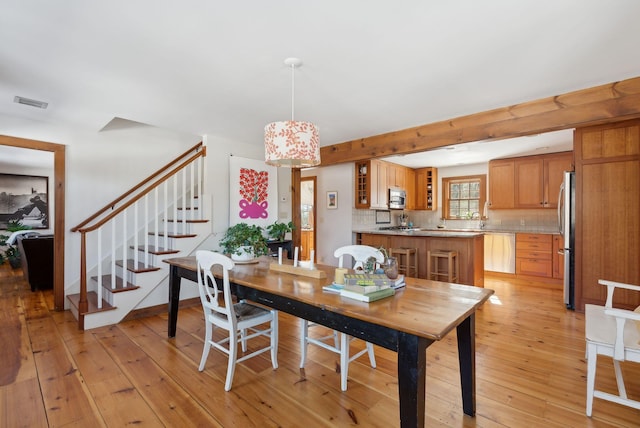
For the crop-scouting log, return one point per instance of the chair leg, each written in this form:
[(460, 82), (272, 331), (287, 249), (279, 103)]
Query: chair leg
[(304, 331), (274, 339), (207, 344), (619, 380), (591, 376), (372, 356), (233, 355), (243, 335), (344, 360)]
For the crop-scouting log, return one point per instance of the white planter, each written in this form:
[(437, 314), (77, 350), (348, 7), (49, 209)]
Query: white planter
[(246, 254)]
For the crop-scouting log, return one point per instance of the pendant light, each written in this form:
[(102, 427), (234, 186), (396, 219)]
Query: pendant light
[(290, 143)]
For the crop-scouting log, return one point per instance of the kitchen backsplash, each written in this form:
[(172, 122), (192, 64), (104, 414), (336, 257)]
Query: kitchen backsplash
[(545, 220)]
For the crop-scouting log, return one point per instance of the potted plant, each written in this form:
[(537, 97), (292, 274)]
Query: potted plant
[(244, 242), (11, 252), (277, 231)]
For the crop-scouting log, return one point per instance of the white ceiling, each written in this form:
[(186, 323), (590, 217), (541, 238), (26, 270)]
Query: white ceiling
[(370, 67)]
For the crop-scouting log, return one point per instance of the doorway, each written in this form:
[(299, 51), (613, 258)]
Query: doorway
[(308, 205), (59, 198)]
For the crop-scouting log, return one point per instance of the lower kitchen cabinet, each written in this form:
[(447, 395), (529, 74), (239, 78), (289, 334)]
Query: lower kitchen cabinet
[(534, 254)]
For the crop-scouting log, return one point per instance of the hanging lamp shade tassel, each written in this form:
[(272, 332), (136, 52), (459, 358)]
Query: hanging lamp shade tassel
[(292, 144)]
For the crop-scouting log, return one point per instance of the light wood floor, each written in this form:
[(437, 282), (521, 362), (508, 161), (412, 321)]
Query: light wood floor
[(530, 372)]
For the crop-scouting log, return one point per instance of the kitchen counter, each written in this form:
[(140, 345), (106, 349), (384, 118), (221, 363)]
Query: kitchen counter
[(468, 244)]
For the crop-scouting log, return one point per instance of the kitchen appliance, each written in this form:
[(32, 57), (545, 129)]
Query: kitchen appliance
[(397, 198), (566, 222)]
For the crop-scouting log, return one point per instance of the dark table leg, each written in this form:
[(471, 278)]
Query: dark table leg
[(174, 299), (412, 367), (467, 357)]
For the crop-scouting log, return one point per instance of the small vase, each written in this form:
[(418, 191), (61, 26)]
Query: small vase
[(391, 268), (246, 254)]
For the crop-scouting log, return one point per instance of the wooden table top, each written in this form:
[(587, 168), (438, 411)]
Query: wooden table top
[(423, 308)]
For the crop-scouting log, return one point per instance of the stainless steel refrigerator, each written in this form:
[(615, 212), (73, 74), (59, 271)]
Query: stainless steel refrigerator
[(566, 222)]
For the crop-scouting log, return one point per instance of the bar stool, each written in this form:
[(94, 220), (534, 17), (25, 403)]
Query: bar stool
[(407, 260), (433, 265)]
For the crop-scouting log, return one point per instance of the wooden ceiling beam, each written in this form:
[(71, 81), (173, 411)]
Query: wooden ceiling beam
[(600, 104)]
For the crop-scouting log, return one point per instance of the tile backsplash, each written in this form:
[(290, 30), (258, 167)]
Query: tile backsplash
[(543, 220)]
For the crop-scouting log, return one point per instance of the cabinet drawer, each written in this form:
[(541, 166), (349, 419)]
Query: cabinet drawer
[(534, 254), (533, 246), (534, 237), (535, 267)]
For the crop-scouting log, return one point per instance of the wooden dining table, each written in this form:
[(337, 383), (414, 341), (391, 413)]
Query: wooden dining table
[(418, 315)]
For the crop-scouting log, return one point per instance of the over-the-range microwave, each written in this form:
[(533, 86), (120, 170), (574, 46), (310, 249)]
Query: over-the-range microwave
[(397, 198)]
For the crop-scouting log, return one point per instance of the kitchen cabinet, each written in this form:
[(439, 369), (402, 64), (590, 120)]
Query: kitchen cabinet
[(426, 189), (534, 254), (527, 182), (373, 179), (501, 184), (538, 179), (607, 224), (557, 256)]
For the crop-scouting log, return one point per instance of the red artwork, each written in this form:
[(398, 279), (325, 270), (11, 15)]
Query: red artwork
[(253, 193)]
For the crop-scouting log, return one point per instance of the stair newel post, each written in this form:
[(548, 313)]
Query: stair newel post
[(83, 304), (124, 244), (136, 253)]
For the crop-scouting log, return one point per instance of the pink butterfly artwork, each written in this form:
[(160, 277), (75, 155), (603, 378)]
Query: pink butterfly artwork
[(253, 191)]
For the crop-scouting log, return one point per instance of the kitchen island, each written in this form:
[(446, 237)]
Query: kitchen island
[(469, 245)]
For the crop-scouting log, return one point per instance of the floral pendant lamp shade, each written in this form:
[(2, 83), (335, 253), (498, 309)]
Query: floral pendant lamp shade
[(289, 143)]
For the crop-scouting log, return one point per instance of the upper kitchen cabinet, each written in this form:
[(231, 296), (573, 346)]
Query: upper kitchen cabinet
[(538, 179), (371, 183), (426, 189), (527, 182), (501, 184)]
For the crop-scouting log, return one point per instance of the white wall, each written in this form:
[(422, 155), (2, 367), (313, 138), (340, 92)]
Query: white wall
[(333, 226)]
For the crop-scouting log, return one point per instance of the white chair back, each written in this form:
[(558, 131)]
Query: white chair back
[(210, 289), (360, 254)]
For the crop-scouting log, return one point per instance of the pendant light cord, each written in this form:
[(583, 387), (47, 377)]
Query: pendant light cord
[(293, 78)]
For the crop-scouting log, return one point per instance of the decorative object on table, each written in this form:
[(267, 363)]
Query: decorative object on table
[(390, 264), (298, 270), (244, 242), (339, 275), (290, 143), (277, 231), (253, 196), (332, 200), (368, 297), (24, 200)]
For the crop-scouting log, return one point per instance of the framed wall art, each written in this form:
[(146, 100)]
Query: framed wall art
[(24, 198), (332, 200)]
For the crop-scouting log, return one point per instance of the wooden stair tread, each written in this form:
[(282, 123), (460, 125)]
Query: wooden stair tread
[(121, 285), (178, 236), (139, 269), (92, 300), (157, 251)]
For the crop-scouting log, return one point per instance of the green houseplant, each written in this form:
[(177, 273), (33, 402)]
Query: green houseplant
[(277, 231), (244, 242), (11, 252)]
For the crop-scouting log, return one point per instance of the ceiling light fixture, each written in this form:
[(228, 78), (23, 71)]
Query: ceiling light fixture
[(289, 143), (30, 102)]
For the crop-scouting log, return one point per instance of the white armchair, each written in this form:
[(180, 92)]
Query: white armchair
[(614, 333)]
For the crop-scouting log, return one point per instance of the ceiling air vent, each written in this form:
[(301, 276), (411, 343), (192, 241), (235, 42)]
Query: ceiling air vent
[(30, 102)]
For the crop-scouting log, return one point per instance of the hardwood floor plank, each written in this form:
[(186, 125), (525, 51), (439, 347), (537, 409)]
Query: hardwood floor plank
[(530, 371)]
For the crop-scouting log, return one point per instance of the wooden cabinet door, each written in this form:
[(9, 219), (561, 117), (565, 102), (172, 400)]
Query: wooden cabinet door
[(501, 184), (421, 189), (410, 187), (558, 257), (607, 211), (528, 184), (554, 167), (374, 179)]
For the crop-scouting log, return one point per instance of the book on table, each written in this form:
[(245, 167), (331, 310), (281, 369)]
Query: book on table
[(333, 288), (368, 297), (372, 280)]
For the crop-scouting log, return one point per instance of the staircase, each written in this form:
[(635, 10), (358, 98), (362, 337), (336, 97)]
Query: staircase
[(123, 244)]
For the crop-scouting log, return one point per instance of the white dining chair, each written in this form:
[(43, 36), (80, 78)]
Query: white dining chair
[(360, 254), (237, 318), (615, 333)]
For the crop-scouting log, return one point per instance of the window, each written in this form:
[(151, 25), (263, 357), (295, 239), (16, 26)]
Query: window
[(464, 197)]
